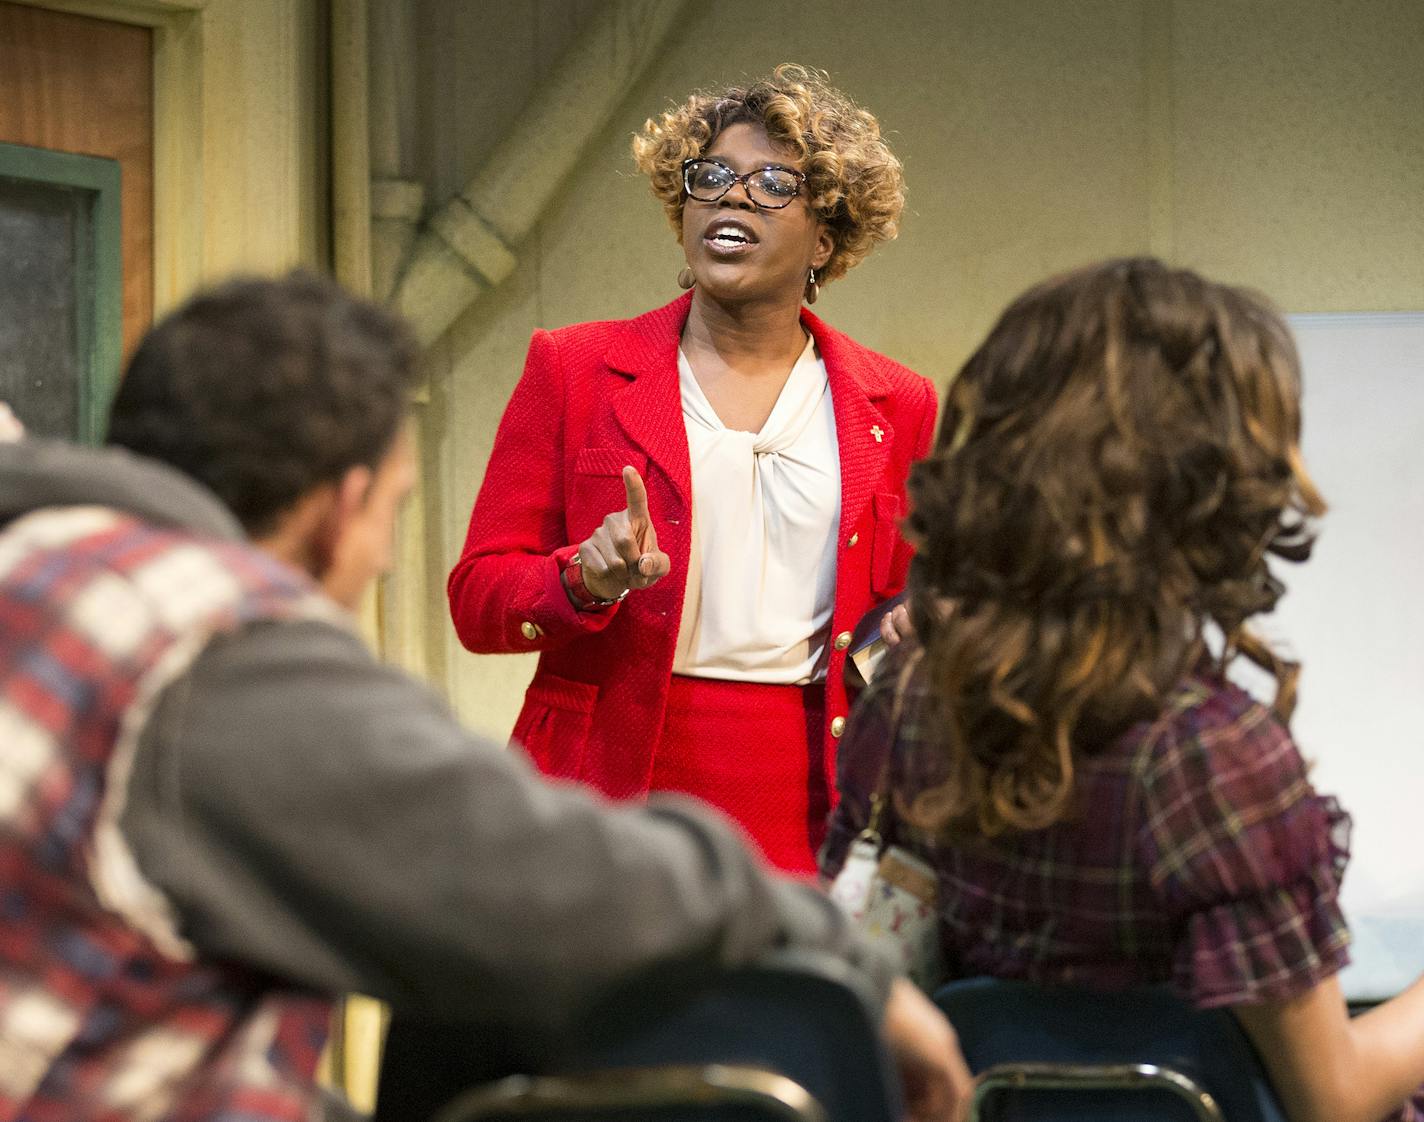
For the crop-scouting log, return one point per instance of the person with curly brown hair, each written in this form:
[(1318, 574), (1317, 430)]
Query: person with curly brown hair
[(1119, 463), (686, 513)]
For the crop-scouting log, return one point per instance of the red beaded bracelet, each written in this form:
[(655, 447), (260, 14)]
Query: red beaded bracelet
[(587, 601)]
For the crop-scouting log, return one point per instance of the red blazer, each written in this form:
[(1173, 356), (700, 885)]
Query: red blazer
[(597, 396)]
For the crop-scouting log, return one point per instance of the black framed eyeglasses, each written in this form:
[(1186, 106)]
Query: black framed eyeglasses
[(708, 180)]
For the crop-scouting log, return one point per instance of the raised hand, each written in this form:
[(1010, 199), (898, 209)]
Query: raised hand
[(623, 552)]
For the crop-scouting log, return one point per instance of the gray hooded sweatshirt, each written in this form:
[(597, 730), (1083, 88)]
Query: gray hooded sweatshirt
[(322, 817)]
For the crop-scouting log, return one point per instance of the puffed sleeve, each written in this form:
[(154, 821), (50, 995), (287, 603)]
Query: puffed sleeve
[(1244, 856)]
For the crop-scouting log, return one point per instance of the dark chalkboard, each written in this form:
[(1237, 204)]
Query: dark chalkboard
[(61, 289), (39, 340)]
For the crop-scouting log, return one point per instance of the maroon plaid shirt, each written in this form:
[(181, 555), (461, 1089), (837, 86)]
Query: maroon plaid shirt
[(1197, 854)]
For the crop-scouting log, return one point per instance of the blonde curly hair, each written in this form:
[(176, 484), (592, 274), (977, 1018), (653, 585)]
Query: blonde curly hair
[(853, 180)]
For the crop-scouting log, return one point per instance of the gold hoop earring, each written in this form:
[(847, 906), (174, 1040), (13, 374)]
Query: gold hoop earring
[(813, 290), (686, 278)]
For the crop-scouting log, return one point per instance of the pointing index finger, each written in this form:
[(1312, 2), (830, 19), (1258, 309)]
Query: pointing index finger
[(637, 495)]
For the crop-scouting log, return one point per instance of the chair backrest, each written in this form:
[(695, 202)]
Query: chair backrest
[(689, 1093), (802, 1017), (1004, 1026), (805, 1016)]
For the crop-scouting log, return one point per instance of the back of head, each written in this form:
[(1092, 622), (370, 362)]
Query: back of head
[(1115, 464), (263, 389)]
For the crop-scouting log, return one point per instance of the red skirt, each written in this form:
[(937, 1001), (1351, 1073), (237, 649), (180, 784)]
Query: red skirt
[(757, 753)]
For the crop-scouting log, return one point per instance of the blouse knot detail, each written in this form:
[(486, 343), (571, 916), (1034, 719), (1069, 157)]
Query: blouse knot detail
[(765, 515)]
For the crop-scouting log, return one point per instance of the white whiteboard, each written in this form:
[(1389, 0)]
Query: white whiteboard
[(1354, 616)]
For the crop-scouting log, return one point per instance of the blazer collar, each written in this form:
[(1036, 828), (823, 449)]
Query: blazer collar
[(845, 358), (863, 433), (649, 409), (647, 344)]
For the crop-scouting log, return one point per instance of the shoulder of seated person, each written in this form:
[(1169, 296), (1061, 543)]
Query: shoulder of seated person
[(1210, 723)]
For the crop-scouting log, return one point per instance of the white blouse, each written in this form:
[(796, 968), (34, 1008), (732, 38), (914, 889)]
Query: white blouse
[(766, 510)]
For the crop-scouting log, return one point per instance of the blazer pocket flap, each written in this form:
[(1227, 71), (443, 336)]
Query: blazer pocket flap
[(882, 548), (562, 693), (608, 461)]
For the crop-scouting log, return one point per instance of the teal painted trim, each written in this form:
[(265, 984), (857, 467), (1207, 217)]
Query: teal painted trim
[(98, 269), (106, 347)]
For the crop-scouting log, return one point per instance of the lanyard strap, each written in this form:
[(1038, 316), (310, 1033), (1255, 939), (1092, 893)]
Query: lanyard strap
[(881, 797)]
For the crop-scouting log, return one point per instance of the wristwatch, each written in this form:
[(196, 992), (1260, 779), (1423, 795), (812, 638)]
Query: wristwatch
[(587, 601)]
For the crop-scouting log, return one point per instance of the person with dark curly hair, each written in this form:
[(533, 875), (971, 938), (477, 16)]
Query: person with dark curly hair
[(687, 513), (1119, 461)]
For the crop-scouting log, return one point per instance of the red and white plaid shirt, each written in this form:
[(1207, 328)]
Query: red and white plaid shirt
[(106, 1011)]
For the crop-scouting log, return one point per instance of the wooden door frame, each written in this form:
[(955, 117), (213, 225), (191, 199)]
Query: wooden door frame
[(230, 82), (177, 132)]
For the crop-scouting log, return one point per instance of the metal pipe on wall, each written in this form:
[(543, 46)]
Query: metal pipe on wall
[(468, 246)]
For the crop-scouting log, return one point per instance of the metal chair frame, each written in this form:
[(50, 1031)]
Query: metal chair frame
[(772, 1096), (792, 1038), (1091, 1077)]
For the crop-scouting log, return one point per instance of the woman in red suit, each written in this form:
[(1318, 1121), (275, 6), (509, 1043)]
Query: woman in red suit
[(686, 513)]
